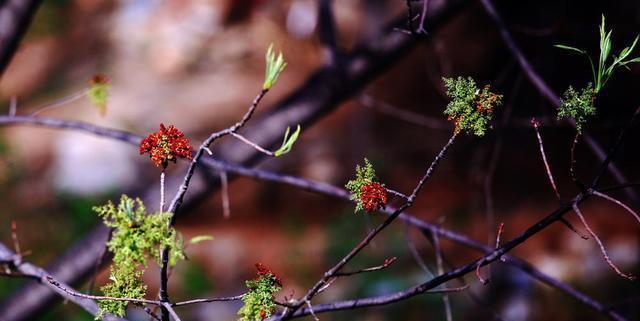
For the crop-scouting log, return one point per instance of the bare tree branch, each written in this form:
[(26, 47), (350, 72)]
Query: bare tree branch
[(15, 18)]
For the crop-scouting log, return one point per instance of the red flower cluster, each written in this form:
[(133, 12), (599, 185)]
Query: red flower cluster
[(263, 270), (373, 196), (166, 145), (485, 101), (98, 79)]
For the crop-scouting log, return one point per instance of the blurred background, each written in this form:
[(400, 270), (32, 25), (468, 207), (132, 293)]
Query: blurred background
[(198, 64)]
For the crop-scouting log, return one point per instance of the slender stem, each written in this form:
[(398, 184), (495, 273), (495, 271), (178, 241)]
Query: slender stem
[(384, 265), (603, 250), (252, 144), (572, 166), (423, 18), (535, 124), (162, 190), (445, 297), (619, 203), (61, 102), (221, 299), (57, 284)]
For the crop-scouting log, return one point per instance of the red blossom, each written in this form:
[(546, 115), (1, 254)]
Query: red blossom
[(166, 145), (98, 79), (263, 314), (263, 270), (373, 196)]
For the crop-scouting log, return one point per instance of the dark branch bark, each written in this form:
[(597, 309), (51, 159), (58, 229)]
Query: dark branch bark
[(15, 17), (37, 273)]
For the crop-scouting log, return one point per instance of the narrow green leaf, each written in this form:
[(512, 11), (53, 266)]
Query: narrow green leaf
[(287, 142), (571, 49), (200, 238)]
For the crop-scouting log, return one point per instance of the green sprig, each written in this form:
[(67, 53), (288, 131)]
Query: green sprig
[(274, 67), (606, 66), (287, 142), (470, 108), (258, 302), (578, 105), (364, 176)]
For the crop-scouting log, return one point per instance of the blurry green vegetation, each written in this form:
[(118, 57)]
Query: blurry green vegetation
[(195, 280), (50, 19)]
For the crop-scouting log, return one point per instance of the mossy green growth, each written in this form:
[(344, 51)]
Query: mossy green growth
[(470, 108), (364, 176), (136, 236), (578, 105), (258, 302)]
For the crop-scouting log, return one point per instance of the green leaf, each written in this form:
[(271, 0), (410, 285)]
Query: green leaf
[(287, 142), (200, 238), (570, 49), (274, 66)]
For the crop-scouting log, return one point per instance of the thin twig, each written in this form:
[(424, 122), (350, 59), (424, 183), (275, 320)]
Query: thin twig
[(384, 265), (196, 301), (167, 305), (600, 244), (59, 103), (423, 18), (499, 234), (252, 144), (445, 297), (535, 124), (572, 167), (619, 203), (313, 314), (396, 193), (57, 284)]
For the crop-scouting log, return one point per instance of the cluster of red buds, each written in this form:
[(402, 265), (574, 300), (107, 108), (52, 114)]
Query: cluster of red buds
[(98, 79), (167, 144), (373, 196), (263, 270), (486, 100)]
